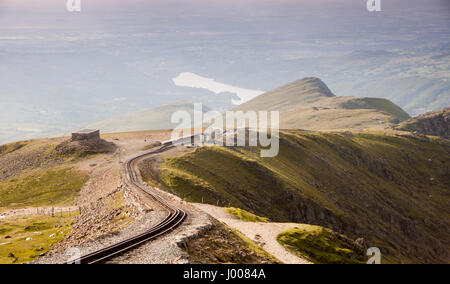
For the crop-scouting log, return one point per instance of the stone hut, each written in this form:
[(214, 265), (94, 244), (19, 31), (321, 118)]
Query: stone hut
[(86, 134)]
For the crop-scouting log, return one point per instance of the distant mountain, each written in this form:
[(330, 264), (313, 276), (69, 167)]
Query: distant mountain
[(306, 104), (436, 123), (417, 81), (310, 104), (153, 119)]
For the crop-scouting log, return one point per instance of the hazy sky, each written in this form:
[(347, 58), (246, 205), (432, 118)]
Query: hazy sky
[(215, 7), (324, 16), (62, 70)]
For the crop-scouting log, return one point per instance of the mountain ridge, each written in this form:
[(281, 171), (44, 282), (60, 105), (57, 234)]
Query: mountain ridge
[(436, 123), (386, 187), (309, 104), (151, 119), (309, 89)]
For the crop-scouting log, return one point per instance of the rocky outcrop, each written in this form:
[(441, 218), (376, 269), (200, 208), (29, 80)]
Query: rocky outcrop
[(85, 147), (435, 123), (215, 243)]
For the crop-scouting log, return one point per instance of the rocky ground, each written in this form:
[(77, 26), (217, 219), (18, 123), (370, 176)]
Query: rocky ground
[(112, 211), (169, 248), (36, 156), (435, 123), (221, 244), (264, 234)]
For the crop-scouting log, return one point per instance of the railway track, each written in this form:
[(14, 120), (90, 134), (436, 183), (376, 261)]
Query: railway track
[(174, 218)]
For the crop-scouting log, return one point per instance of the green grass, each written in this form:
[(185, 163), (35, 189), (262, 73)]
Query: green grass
[(320, 246), (44, 231), (383, 105), (47, 187), (9, 148), (357, 184), (246, 216)]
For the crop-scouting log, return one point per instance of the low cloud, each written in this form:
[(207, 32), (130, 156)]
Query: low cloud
[(192, 80)]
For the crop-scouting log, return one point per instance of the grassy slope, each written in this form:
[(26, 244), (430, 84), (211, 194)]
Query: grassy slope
[(38, 228), (158, 118), (413, 94), (246, 216), (33, 174), (309, 104), (382, 105), (321, 246), (317, 244), (55, 186), (390, 190), (9, 148)]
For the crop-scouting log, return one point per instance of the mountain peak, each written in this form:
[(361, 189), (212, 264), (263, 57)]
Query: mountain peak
[(314, 85), (300, 92), (309, 104)]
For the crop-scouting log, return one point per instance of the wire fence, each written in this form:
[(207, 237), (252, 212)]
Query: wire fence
[(58, 211)]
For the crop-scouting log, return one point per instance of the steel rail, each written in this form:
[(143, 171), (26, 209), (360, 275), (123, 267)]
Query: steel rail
[(174, 218)]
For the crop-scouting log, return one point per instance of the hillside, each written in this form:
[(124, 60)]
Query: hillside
[(390, 189), (309, 104), (153, 119), (56, 191), (436, 123), (57, 194)]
